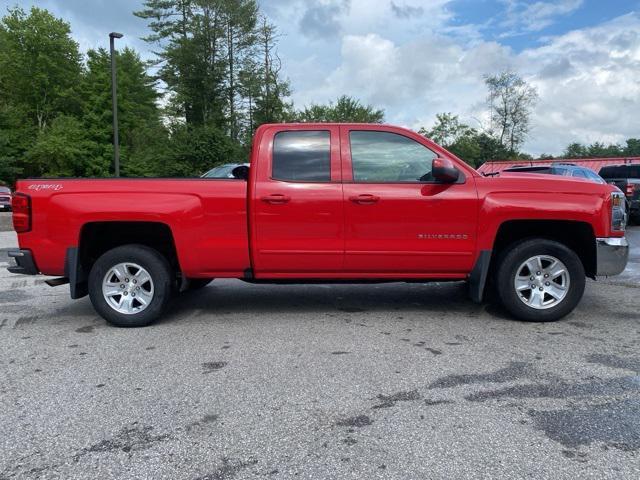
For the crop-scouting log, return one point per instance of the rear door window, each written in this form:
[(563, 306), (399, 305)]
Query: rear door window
[(302, 156)]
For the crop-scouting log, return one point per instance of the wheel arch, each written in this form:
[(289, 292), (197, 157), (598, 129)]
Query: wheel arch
[(576, 235), (97, 238)]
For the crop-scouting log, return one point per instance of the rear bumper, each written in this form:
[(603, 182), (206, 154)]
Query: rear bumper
[(613, 254), (24, 262)]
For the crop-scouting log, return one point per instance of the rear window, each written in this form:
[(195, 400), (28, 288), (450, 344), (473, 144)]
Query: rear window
[(302, 156), (620, 171)]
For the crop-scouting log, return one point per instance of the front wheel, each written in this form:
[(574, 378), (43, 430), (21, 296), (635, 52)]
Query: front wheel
[(129, 286), (540, 280)]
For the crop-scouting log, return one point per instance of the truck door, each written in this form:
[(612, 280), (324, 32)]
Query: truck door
[(298, 217), (399, 221)]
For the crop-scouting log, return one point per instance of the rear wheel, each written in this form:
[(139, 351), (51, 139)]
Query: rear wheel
[(129, 286), (540, 280)]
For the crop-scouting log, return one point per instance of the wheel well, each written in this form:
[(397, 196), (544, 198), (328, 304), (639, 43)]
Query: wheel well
[(578, 236), (100, 237)]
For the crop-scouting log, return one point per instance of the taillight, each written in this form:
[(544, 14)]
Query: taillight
[(630, 188), (21, 206)]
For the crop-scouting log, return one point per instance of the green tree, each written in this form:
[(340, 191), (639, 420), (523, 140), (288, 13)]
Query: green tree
[(218, 59), (269, 90), (632, 148), (241, 23), (600, 150), (16, 136), (510, 102), (40, 65), (63, 150), (189, 55), (575, 150), (195, 149), (345, 109), (447, 130), (140, 125)]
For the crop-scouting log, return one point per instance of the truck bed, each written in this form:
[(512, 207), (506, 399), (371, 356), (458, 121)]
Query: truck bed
[(208, 218)]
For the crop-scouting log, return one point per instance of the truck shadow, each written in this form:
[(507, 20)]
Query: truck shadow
[(235, 297)]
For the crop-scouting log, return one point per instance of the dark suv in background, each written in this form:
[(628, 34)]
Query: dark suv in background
[(627, 179), (5, 199)]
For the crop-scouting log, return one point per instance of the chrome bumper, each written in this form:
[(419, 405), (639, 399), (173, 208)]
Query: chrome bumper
[(613, 254)]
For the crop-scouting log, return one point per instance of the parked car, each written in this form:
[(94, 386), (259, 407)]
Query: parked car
[(564, 169), (224, 171), (627, 179), (5, 199), (324, 203)]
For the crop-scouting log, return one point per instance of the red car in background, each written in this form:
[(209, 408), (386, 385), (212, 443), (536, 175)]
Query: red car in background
[(5, 199)]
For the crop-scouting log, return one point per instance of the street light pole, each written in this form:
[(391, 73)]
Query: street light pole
[(114, 103)]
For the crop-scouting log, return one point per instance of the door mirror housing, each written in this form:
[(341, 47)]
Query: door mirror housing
[(241, 172), (444, 171)]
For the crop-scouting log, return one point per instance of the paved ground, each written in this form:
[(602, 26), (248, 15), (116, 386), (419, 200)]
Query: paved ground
[(319, 382)]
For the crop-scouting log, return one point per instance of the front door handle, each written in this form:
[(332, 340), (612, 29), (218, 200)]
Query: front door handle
[(364, 199), (276, 199)]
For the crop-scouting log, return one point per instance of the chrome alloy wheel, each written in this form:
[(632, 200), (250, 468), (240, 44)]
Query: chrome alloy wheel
[(542, 282), (127, 288)]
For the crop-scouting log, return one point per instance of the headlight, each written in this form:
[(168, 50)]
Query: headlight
[(618, 212)]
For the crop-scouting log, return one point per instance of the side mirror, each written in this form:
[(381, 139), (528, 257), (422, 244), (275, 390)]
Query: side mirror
[(241, 172), (444, 171)]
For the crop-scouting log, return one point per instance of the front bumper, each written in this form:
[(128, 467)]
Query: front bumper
[(24, 262), (612, 254)]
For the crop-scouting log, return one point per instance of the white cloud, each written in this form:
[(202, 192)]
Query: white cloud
[(533, 17), (411, 58), (594, 95), (587, 80)]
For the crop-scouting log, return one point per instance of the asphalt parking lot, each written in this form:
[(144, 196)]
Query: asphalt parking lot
[(398, 381)]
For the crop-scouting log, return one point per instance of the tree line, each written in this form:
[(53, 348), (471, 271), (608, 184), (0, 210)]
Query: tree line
[(217, 77)]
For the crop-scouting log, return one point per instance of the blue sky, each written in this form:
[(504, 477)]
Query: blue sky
[(415, 58), (500, 18)]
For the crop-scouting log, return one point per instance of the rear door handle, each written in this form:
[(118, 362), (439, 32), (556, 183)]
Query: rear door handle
[(276, 199), (364, 199)]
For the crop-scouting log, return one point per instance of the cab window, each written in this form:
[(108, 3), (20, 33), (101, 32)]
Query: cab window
[(302, 156), (384, 157)]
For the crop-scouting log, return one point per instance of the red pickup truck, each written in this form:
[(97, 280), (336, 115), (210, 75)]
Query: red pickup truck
[(324, 203)]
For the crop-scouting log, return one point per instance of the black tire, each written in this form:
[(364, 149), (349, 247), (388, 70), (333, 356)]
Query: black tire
[(198, 283), (153, 262), (515, 255)]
